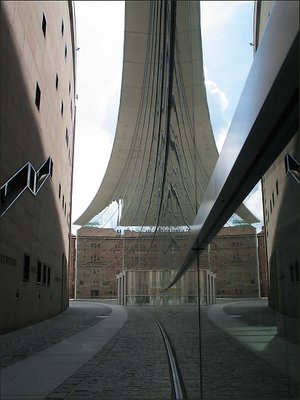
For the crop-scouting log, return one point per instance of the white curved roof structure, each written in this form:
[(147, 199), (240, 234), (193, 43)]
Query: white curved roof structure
[(164, 151)]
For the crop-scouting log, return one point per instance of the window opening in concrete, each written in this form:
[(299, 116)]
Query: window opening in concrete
[(56, 81), (62, 108), (37, 96), (31, 178), (44, 274), (69, 87), (292, 167), (277, 188), (48, 276), (59, 190), (44, 25), (62, 28), (39, 272), (66, 51), (26, 268), (67, 137), (43, 173)]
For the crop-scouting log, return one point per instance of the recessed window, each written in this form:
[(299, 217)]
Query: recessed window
[(44, 274), (39, 272), (277, 188), (67, 137), (62, 28), (66, 51), (37, 96), (44, 25), (63, 201), (62, 108), (69, 87), (26, 268), (59, 190), (56, 81), (48, 276)]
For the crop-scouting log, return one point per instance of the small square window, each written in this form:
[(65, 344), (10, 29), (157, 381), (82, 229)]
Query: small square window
[(37, 96), (44, 25)]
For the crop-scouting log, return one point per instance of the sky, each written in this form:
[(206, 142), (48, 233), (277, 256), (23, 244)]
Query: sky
[(226, 36)]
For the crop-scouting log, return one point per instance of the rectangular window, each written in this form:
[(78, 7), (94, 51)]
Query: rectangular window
[(26, 268), (62, 108), (67, 137), (56, 81), (94, 293), (48, 276), (277, 188), (44, 274), (37, 96), (62, 28), (66, 51), (59, 190), (39, 272), (44, 25)]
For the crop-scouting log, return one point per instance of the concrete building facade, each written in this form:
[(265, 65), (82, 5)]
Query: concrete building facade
[(281, 199), (38, 47)]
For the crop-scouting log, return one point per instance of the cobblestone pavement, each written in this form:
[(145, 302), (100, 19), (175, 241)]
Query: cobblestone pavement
[(133, 364), (22, 343)]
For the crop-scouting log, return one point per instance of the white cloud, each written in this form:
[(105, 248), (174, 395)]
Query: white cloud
[(215, 90)]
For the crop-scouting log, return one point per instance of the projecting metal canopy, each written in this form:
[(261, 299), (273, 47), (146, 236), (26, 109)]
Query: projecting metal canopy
[(164, 151)]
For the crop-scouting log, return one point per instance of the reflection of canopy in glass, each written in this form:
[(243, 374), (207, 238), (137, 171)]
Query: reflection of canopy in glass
[(164, 150)]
